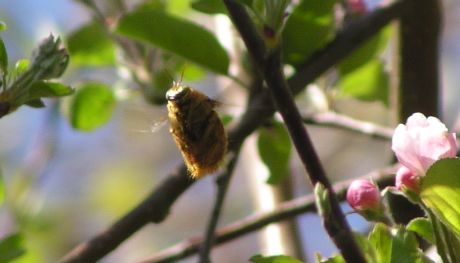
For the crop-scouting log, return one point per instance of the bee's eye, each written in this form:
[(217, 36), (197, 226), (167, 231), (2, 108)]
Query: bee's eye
[(178, 93)]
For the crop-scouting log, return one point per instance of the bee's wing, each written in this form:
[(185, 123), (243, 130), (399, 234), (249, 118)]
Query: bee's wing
[(156, 125)]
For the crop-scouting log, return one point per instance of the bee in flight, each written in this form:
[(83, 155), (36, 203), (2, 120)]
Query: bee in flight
[(196, 129)]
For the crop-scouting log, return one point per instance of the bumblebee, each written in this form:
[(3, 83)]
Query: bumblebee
[(196, 129)]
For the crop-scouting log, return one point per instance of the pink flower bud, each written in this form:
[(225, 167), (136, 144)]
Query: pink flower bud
[(421, 142), (406, 179), (357, 6), (363, 195)]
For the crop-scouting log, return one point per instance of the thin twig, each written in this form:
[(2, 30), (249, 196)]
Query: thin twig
[(222, 182), (155, 207), (286, 210), (332, 119)]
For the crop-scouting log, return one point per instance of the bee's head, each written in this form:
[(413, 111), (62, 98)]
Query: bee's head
[(178, 93)]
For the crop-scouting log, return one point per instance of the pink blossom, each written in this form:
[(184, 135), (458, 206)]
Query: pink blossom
[(357, 6), (406, 179), (363, 195), (421, 142)]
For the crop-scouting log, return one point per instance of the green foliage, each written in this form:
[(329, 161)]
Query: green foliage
[(440, 192), (209, 6), (394, 247), (47, 89), (362, 74), (333, 259), (310, 27), (274, 147), (323, 202), (423, 227), (177, 35), (11, 248), (3, 58), (91, 106), (90, 45), (21, 66), (29, 82), (368, 82), (370, 50), (273, 259), (3, 26)]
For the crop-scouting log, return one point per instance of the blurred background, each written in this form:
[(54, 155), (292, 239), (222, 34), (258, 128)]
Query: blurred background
[(91, 179)]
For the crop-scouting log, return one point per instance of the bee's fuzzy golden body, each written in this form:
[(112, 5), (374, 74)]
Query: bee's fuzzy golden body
[(196, 129)]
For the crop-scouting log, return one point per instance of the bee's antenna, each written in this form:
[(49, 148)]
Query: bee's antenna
[(182, 73)]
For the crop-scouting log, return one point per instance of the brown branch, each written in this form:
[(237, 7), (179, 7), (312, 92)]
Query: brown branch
[(156, 205), (269, 63), (332, 119), (222, 183), (284, 211)]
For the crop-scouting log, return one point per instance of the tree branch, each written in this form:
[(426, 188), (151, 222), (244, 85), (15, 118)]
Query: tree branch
[(286, 210), (332, 119), (157, 204), (222, 183), (269, 63)]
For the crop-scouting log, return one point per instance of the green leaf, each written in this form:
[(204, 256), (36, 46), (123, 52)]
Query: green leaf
[(371, 50), (369, 82), (423, 227), (3, 58), (46, 89), (310, 27), (209, 6), (90, 45), (274, 147), (273, 259), (440, 191), (11, 248), (334, 259), (21, 66), (381, 239), (3, 26), (405, 248), (176, 35), (400, 247), (92, 106), (35, 103)]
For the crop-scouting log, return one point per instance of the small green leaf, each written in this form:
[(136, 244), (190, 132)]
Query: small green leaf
[(46, 89), (371, 50), (90, 45), (333, 259), (322, 201), (274, 147), (423, 227), (440, 191), (3, 26), (397, 247), (209, 6), (176, 35), (310, 27), (11, 248), (92, 106), (369, 82), (273, 259), (226, 119), (3, 58), (35, 103), (405, 248), (21, 66), (381, 239)]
